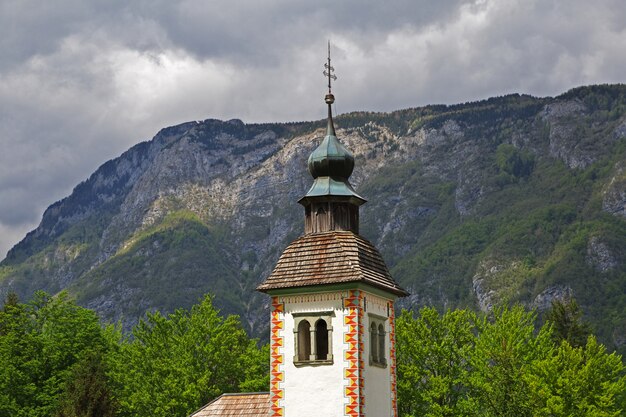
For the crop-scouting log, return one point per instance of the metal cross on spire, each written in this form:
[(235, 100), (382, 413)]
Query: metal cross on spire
[(329, 99), (329, 71)]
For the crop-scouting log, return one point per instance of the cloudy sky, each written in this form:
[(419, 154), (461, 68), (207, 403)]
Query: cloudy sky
[(83, 80)]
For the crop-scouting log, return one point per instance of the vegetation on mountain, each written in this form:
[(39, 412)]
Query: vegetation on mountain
[(513, 199)]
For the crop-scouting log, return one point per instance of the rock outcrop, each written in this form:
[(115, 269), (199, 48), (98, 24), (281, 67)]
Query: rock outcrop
[(208, 206)]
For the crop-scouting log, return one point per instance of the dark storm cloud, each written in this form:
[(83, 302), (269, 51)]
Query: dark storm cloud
[(81, 81), (260, 33), (250, 32)]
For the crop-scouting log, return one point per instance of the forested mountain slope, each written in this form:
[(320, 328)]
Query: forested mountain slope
[(510, 199)]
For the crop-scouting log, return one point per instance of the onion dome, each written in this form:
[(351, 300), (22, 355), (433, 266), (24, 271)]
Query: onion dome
[(331, 165), (331, 159)]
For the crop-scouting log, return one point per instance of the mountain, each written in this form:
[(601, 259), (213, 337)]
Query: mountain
[(510, 199)]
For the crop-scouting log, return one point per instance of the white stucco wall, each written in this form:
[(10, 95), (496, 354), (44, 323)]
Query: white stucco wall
[(318, 390), (315, 390), (377, 380)]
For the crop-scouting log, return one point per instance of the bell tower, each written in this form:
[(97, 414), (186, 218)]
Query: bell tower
[(332, 330)]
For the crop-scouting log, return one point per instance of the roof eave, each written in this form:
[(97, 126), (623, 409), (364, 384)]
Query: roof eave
[(330, 189), (274, 290)]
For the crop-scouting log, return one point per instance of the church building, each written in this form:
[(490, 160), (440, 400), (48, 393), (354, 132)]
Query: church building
[(332, 334)]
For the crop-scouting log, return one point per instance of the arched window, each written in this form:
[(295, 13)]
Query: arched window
[(373, 343), (321, 339), (313, 339), (321, 220), (304, 341), (378, 349), (381, 344)]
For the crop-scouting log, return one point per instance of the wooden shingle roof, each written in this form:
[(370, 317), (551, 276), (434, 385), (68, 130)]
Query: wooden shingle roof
[(255, 404), (330, 258)]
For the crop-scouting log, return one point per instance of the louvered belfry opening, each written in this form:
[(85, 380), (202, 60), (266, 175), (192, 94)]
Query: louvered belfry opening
[(326, 216)]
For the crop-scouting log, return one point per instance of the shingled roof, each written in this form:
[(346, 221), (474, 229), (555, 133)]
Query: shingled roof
[(330, 258), (255, 404)]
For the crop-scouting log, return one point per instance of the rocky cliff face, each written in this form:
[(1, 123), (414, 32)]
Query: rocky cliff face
[(509, 199)]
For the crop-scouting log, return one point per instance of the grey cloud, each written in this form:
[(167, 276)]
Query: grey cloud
[(263, 31), (31, 27), (541, 48), (243, 31)]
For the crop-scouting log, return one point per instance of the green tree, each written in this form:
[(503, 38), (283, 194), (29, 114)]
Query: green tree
[(432, 362), (177, 363), (579, 382), (566, 320), (506, 346), (40, 341), (12, 300), (256, 364), (501, 365), (87, 392), (19, 360)]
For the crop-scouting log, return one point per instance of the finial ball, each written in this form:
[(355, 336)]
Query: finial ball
[(329, 99)]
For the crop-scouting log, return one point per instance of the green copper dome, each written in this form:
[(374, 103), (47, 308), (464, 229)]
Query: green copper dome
[(331, 159), (331, 165)]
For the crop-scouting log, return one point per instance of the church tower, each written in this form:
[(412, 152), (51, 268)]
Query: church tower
[(332, 335)]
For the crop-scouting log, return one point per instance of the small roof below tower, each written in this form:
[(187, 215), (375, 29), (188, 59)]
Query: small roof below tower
[(252, 404)]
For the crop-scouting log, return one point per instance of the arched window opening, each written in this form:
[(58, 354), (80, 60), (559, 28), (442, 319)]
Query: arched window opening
[(321, 339), (381, 344), (313, 339), (321, 220), (304, 341), (307, 219), (373, 343)]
